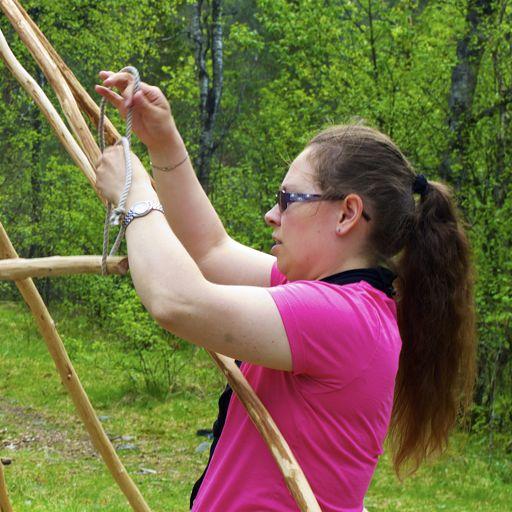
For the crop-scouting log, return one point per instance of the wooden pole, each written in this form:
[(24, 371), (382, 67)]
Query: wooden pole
[(20, 268), (49, 111), (293, 475), (71, 381), (86, 103), (5, 504), (56, 80)]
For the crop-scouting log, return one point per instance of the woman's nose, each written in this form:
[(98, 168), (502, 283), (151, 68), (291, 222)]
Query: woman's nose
[(273, 216)]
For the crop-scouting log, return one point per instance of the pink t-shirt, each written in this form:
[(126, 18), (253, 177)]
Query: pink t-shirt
[(333, 408)]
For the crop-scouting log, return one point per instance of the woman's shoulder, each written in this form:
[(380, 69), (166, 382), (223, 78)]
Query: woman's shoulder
[(359, 295)]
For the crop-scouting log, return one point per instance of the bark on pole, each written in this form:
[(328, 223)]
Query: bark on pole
[(72, 383), (20, 268), (5, 504)]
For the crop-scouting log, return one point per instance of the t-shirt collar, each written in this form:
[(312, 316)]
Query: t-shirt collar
[(379, 277)]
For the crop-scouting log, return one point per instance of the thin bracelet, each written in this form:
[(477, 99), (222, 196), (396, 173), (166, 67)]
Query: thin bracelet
[(169, 167)]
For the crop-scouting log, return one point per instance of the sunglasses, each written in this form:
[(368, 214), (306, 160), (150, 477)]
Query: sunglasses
[(285, 198)]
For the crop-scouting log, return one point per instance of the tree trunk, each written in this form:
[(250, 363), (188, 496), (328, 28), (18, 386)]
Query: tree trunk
[(207, 36), (464, 80)]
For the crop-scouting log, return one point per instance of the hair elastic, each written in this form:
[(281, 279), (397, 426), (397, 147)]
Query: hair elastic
[(420, 185)]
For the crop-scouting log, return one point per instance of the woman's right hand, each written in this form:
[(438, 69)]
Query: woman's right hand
[(152, 119)]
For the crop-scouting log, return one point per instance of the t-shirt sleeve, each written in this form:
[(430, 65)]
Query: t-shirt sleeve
[(332, 330)]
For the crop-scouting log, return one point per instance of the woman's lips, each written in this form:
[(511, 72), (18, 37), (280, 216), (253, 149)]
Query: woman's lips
[(277, 243)]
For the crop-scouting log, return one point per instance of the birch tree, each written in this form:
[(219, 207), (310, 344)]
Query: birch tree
[(207, 36)]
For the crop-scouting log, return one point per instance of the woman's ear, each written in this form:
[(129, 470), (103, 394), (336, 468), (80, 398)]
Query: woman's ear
[(349, 214)]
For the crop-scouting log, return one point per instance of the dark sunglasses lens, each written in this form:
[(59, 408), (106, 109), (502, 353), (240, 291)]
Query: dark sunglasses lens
[(281, 200)]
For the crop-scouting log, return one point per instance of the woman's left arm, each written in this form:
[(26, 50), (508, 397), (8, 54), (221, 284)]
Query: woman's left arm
[(242, 322)]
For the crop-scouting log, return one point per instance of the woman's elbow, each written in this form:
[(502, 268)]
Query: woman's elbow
[(174, 310), (168, 314)]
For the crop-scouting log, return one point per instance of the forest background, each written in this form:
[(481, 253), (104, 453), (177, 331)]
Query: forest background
[(249, 82)]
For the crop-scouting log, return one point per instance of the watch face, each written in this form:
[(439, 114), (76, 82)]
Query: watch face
[(139, 208)]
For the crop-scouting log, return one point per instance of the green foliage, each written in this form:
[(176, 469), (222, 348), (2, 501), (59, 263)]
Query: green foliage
[(154, 348), (290, 68), (57, 471)]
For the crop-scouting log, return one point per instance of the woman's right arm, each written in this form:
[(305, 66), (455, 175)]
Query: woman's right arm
[(187, 208), (195, 222)]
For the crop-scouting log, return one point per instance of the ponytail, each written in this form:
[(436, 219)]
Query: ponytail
[(436, 318), (425, 244)]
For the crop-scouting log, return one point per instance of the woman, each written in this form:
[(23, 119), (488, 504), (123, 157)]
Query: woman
[(317, 323)]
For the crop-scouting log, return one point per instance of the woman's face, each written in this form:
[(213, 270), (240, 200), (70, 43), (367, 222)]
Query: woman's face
[(305, 230)]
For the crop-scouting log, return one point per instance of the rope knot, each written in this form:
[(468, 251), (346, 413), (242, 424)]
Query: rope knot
[(116, 216)]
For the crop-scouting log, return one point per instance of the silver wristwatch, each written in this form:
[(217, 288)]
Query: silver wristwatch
[(141, 209)]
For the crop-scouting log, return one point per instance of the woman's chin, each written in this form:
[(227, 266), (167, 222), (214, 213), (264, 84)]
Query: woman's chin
[(281, 265)]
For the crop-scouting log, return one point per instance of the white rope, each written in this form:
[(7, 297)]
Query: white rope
[(114, 216)]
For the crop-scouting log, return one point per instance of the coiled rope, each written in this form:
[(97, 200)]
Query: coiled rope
[(114, 216)]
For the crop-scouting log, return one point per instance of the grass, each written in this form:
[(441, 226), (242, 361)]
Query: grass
[(54, 467)]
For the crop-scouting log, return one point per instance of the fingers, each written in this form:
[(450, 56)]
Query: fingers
[(143, 97), (123, 82), (105, 74), (120, 80), (111, 96), (110, 152)]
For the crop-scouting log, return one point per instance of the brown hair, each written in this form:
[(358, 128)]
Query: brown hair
[(424, 242)]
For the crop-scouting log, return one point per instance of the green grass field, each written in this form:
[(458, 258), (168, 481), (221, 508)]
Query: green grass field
[(54, 467)]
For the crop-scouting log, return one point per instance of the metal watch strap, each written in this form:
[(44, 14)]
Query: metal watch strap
[(134, 213)]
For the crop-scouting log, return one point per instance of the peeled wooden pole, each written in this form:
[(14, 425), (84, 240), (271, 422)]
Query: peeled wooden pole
[(20, 268), (86, 103), (293, 475), (72, 383), (49, 111), (112, 461), (55, 78), (5, 504), (42, 51)]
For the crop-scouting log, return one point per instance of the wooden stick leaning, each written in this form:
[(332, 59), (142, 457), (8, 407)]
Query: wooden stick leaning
[(5, 504), (55, 78), (46, 56), (293, 474), (71, 381), (86, 103), (49, 111), (53, 341), (20, 268)]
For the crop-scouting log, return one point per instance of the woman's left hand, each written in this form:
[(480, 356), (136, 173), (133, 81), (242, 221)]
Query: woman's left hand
[(111, 174)]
